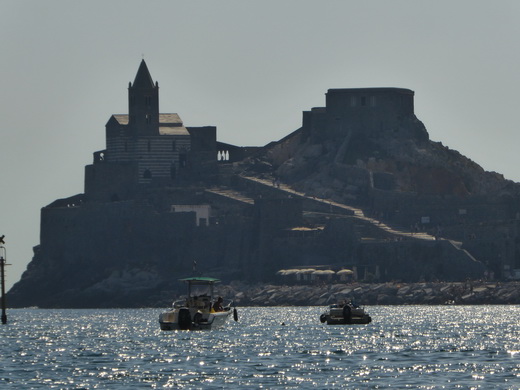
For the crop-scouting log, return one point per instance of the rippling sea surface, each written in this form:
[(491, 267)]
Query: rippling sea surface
[(417, 347)]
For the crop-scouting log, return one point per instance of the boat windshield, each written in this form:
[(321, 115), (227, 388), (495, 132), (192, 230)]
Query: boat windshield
[(198, 286), (196, 291)]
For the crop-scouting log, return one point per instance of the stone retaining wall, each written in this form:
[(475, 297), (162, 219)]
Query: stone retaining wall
[(460, 293)]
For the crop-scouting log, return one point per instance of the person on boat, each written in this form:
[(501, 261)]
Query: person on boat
[(217, 306)]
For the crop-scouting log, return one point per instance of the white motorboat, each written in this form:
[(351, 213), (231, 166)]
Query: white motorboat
[(345, 314), (200, 310)]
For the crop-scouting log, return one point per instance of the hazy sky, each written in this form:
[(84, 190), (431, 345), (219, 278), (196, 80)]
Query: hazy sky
[(248, 67)]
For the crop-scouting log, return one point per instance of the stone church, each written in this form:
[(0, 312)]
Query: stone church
[(146, 147)]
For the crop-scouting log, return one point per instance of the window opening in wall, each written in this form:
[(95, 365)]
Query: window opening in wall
[(173, 171), (353, 101), (363, 101), (372, 101), (148, 118), (174, 145), (149, 145), (182, 160), (147, 174), (223, 155), (147, 100)]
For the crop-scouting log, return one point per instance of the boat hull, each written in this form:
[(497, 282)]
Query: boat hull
[(366, 319), (345, 315), (172, 320)]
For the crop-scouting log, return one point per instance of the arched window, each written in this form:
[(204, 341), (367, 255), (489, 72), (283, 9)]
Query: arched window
[(147, 174)]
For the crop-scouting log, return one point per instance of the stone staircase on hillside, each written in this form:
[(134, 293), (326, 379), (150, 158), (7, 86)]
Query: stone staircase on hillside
[(231, 194), (354, 211), (329, 208)]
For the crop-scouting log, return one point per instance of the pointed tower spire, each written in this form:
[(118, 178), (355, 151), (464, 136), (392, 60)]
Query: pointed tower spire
[(143, 79), (143, 103)]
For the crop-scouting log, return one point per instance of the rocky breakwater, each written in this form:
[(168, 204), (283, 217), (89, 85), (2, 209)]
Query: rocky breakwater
[(434, 293)]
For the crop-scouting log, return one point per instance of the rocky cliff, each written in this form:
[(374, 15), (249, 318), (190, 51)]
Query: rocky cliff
[(403, 161)]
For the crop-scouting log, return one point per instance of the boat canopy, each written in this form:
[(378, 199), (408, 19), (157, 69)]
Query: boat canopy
[(200, 280)]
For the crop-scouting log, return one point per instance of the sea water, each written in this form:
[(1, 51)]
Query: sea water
[(416, 347)]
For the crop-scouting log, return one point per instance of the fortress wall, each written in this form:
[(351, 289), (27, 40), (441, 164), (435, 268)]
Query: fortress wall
[(388, 103), (368, 110), (276, 214), (405, 208), (313, 124), (203, 139), (118, 232), (106, 182), (418, 260)]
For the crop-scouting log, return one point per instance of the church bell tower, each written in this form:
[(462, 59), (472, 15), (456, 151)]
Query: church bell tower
[(143, 103)]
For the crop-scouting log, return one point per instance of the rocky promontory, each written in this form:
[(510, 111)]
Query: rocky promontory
[(433, 293), (358, 187)]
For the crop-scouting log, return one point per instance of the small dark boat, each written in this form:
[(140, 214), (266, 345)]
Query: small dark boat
[(345, 314)]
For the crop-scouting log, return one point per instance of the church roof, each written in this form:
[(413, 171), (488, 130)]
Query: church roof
[(143, 79), (168, 120), (173, 130), (122, 119)]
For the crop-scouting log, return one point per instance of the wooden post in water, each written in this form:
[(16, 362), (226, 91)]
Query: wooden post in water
[(3, 259)]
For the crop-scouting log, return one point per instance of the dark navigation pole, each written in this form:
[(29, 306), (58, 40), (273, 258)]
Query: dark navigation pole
[(3, 259)]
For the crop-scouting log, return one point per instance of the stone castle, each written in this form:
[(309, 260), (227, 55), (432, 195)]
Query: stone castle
[(359, 186)]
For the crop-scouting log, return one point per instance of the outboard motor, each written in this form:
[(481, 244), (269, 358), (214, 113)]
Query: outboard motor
[(184, 319)]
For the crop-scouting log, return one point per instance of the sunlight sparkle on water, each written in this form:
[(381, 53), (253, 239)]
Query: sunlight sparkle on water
[(424, 347)]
